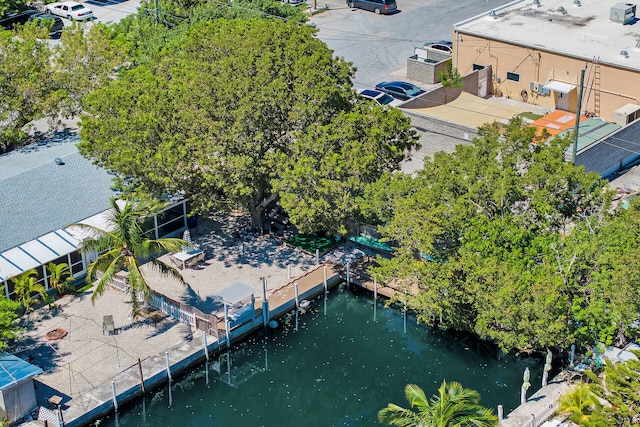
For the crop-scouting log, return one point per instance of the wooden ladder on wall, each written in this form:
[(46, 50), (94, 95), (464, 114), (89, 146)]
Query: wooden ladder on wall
[(596, 86)]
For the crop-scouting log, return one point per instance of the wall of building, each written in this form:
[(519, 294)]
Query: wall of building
[(19, 400), (426, 64), (462, 134), (618, 86)]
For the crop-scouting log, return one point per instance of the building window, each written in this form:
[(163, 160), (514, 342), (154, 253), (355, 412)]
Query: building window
[(477, 67), (513, 77), (75, 263)]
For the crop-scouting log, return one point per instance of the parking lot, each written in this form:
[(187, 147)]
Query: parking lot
[(106, 11), (379, 45), (112, 11)]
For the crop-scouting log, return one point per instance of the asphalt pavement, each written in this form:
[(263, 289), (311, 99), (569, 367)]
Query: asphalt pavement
[(379, 45)]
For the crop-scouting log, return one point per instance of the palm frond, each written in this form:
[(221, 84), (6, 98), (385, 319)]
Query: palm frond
[(166, 270), (395, 415), (108, 273)]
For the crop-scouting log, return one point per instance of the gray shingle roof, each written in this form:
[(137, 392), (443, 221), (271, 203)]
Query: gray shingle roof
[(39, 196)]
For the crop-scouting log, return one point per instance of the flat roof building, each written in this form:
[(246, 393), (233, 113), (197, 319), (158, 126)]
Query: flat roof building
[(538, 48)]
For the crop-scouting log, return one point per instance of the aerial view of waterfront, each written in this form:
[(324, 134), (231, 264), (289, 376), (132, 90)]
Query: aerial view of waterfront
[(336, 365)]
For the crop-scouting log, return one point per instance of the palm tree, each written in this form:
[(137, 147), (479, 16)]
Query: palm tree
[(579, 404), (58, 276), (453, 406), (26, 286), (125, 246)]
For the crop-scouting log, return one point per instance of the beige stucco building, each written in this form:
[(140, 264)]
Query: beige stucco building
[(538, 48)]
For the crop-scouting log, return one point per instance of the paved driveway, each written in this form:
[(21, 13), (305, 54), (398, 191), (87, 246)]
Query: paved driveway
[(379, 45)]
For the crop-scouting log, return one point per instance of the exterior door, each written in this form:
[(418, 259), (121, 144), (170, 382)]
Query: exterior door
[(562, 101)]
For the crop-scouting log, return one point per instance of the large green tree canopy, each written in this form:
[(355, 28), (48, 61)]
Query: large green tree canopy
[(41, 80), (508, 241), (231, 110)]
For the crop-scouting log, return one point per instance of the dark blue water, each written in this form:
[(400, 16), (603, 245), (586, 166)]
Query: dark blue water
[(337, 369)]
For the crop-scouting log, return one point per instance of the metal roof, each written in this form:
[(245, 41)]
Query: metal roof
[(612, 153), (591, 131), (13, 370), (235, 293), (39, 196), (36, 252)]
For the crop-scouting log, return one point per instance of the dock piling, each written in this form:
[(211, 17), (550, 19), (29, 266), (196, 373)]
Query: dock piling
[(348, 276), (141, 375), (573, 355), (204, 344), (325, 278), (226, 325), (166, 356), (113, 391)]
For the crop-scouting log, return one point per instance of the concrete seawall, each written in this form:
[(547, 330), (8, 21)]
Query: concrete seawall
[(99, 402)]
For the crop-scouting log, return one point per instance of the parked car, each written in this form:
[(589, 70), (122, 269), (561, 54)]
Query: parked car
[(400, 90), (442, 47), (378, 97), (70, 10), (377, 6), (54, 23)]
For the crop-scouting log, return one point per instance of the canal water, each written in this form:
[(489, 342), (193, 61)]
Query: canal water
[(337, 364)]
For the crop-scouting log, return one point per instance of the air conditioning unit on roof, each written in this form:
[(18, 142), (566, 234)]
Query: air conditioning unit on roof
[(626, 114), (623, 13)]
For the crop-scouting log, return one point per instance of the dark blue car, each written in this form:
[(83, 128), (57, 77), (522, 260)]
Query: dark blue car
[(55, 24), (400, 90)]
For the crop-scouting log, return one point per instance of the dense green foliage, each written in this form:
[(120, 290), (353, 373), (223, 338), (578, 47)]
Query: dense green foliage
[(526, 251), (609, 400), (8, 325), (125, 247), (40, 81), (176, 12), (580, 404), (25, 93), (10, 6), (59, 276), (453, 406), (27, 287), (231, 111)]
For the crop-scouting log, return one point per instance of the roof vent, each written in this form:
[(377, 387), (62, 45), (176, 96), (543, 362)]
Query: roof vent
[(623, 13), (493, 14), (536, 3), (624, 53), (562, 10)]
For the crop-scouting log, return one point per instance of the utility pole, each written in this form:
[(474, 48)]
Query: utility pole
[(574, 149), (155, 11)]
